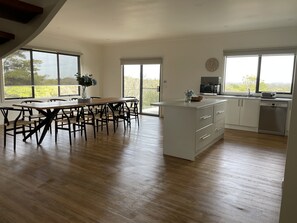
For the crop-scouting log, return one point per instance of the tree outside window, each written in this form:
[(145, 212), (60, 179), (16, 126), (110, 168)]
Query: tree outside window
[(259, 73), (35, 74)]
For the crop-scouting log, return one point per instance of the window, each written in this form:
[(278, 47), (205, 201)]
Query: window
[(262, 72), (39, 74)]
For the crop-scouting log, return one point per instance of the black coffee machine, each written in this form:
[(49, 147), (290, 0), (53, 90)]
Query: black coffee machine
[(210, 85)]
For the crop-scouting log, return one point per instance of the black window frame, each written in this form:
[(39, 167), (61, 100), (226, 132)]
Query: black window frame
[(260, 53), (58, 73)]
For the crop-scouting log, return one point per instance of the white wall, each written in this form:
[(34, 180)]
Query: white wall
[(184, 59)]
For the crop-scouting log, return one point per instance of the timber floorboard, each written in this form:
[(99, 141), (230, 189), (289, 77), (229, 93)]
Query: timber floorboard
[(125, 178)]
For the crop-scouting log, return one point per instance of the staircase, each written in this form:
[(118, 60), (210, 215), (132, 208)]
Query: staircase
[(21, 21)]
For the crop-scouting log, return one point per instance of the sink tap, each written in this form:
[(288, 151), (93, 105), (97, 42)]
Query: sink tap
[(249, 92)]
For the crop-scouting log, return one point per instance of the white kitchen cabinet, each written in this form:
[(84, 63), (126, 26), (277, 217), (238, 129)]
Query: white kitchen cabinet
[(219, 119), (249, 112), (243, 112), (190, 128), (233, 111)]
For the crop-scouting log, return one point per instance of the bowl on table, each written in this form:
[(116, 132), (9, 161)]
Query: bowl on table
[(197, 98)]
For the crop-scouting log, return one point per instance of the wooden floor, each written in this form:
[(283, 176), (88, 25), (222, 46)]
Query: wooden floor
[(125, 178)]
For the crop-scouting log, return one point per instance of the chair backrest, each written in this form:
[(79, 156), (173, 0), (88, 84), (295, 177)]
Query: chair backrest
[(31, 101), (57, 99), (30, 110), (133, 105), (5, 113)]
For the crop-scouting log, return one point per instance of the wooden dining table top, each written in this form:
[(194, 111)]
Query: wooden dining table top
[(72, 104)]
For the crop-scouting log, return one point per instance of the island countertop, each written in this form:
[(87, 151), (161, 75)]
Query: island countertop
[(193, 104)]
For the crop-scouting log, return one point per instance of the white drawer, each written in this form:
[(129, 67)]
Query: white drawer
[(203, 137), (219, 111), (219, 128), (204, 117)]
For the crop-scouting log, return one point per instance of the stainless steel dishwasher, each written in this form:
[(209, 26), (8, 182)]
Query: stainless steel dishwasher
[(273, 117)]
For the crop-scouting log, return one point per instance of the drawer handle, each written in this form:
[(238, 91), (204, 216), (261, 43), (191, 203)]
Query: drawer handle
[(204, 136), (218, 129), (205, 117), (220, 112)]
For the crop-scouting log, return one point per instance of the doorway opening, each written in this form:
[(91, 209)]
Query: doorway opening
[(142, 80)]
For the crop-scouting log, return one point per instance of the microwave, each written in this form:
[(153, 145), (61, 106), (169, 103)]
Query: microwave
[(210, 85)]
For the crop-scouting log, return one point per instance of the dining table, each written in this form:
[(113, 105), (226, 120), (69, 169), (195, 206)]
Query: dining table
[(50, 110)]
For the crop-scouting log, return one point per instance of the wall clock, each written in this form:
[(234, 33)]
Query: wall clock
[(212, 64)]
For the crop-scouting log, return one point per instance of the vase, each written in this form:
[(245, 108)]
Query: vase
[(84, 93), (188, 99)]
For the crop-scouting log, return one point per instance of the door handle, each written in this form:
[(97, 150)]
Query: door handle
[(205, 117), (158, 88), (205, 136)]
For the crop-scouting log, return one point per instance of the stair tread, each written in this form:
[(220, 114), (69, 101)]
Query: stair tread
[(4, 37), (18, 11)]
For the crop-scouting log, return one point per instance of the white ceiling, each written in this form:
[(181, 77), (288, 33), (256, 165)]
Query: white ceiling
[(111, 21)]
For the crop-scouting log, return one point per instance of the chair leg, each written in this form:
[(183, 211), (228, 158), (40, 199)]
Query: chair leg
[(94, 127), (97, 125), (14, 139), (56, 131), (114, 126), (74, 130), (106, 124), (23, 130), (36, 134), (85, 130), (70, 141), (124, 120), (5, 136)]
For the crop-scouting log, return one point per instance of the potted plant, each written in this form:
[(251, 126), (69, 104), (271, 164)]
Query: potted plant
[(85, 81)]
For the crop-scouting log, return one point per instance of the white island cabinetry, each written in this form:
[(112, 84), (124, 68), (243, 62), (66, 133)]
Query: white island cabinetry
[(190, 128)]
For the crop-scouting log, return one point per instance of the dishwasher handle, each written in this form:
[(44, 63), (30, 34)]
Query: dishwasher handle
[(274, 104)]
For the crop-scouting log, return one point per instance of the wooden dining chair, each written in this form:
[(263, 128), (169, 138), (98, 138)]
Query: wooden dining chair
[(28, 113), (96, 116), (119, 112), (72, 122), (60, 114), (17, 125), (133, 109)]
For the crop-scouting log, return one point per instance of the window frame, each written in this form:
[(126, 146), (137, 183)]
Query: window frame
[(260, 53), (57, 54)]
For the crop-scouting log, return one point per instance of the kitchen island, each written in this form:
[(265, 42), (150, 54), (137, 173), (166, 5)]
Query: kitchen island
[(190, 128)]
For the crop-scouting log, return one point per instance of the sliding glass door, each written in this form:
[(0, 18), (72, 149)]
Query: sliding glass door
[(143, 82)]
